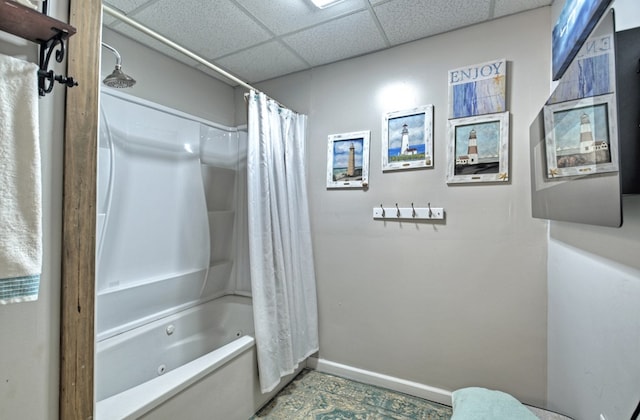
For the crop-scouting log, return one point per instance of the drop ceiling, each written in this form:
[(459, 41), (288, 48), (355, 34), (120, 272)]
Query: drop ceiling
[(258, 40)]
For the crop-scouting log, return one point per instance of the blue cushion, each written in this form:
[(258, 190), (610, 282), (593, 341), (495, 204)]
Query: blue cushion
[(484, 404)]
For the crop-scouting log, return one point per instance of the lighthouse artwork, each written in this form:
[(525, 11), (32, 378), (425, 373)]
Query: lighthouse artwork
[(348, 160), (405, 149), (407, 139), (579, 137), (471, 157), (469, 160), (479, 148)]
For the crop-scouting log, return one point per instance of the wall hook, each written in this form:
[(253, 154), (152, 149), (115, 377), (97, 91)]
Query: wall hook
[(408, 213)]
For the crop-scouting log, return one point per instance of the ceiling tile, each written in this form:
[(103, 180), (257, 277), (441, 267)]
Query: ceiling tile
[(509, 7), (274, 60), (211, 28), (299, 13), (338, 39), (126, 6), (150, 42), (408, 20)]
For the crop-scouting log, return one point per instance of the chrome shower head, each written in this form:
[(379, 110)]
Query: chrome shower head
[(117, 79)]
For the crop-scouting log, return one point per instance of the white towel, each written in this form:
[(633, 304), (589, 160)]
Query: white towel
[(20, 190)]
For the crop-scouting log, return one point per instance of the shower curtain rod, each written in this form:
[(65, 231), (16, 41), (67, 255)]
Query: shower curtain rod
[(116, 14)]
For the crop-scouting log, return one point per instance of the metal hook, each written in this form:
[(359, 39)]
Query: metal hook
[(382, 209), (414, 210), (398, 212), (430, 213)]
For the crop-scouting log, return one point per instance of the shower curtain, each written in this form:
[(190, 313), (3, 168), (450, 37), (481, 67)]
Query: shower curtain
[(280, 253)]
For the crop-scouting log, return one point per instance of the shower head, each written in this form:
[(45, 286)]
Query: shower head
[(117, 79)]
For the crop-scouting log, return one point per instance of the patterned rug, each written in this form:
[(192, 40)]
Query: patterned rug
[(318, 396)]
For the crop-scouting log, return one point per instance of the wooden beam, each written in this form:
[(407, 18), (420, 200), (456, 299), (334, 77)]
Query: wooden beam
[(79, 213)]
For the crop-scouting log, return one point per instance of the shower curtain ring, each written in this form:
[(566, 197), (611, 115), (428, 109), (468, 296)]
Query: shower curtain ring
[(398, 212), (382, 209)]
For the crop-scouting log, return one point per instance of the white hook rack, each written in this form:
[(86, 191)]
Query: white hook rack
[(408, 213)]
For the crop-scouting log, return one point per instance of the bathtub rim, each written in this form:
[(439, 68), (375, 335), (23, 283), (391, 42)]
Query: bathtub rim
[(138, 400)]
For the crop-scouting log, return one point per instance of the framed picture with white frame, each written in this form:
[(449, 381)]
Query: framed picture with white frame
[(348, 160), (478, 149), (407, 139), (581, 137)]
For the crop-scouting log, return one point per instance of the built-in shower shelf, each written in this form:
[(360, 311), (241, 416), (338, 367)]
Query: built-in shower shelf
[(30, 24)]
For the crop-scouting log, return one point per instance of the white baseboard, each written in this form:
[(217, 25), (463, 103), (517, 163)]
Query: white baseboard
[(373, 378)]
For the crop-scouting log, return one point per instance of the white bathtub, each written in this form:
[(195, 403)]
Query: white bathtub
[(199, 363)]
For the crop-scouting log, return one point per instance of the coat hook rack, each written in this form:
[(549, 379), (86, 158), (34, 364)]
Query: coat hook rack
[(408, 213), (51, 34)]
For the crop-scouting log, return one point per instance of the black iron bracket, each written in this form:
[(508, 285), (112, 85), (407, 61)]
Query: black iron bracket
[(46, 77)]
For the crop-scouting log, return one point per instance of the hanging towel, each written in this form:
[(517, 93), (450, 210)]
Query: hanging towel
[(20, 191)]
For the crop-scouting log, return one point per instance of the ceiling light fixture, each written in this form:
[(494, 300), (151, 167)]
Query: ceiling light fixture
[(322, 4)]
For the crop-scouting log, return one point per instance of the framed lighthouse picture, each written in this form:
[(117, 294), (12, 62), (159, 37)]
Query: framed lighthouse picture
[(348, 160), (581, 137), (478, 149), (407, 139)]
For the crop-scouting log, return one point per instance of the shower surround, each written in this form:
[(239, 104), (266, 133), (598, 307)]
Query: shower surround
[(172, 265)]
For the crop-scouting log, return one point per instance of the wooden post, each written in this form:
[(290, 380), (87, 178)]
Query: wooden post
[(79, 213)]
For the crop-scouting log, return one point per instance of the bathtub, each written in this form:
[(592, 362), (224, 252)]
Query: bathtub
[(198, 363)]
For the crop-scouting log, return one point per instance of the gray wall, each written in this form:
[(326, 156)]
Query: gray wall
[(452, 304), (30, 331), (594, 290)]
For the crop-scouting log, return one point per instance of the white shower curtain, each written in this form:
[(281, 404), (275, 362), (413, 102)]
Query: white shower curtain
[(281, 258)]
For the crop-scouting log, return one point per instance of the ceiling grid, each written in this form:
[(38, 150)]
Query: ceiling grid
[(259, 40)]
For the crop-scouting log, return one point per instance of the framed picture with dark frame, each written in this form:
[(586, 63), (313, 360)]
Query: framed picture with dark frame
[(407, 139), (581, 137), (348, 160), (478, 149)]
